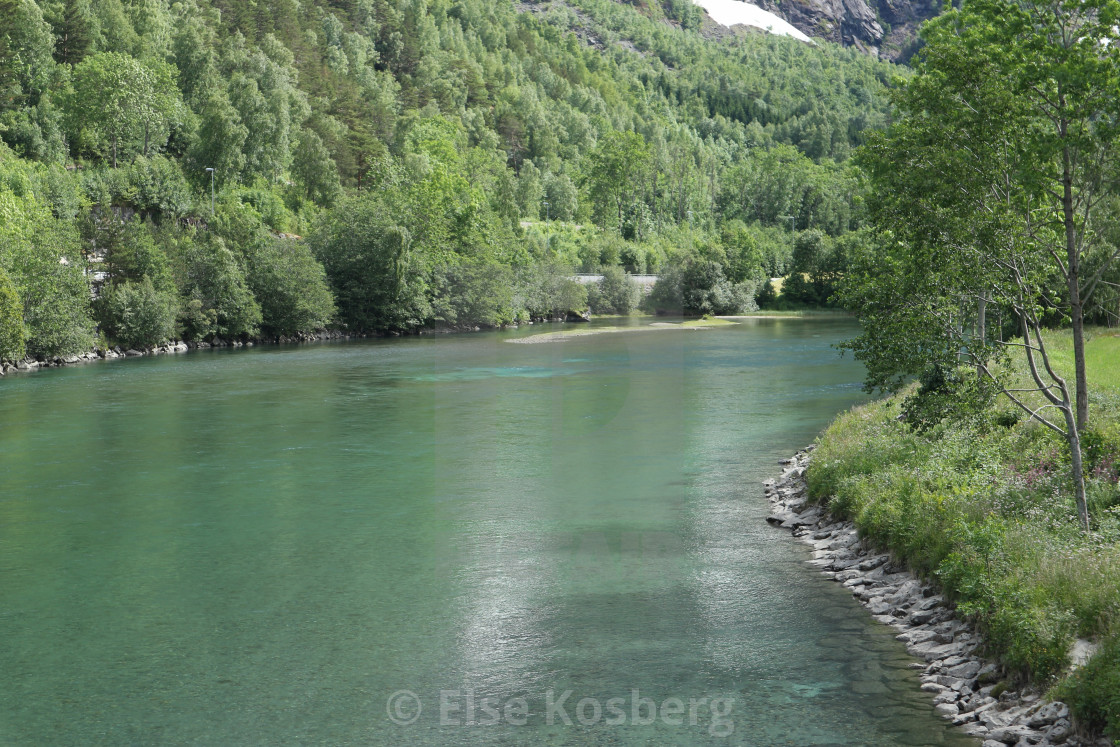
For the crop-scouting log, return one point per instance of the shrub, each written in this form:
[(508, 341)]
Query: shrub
[(216, 299), (699, 287), (615, 293), (13, 337), (1093, 691), (137, 315), (953, 393), (291, 288)]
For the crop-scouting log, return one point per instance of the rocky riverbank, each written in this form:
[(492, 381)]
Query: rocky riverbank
[(964, 687), (175, 346), (178, 346)]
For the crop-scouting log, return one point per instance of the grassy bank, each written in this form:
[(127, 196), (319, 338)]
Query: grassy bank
[(984, 506)]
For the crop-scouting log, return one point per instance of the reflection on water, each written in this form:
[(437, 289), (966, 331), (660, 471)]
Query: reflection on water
[(546, 544)]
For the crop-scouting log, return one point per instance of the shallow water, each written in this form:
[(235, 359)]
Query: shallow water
[(264, 546)]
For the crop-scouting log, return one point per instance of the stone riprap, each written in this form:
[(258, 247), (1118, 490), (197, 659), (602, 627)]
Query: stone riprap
[(964, 687)]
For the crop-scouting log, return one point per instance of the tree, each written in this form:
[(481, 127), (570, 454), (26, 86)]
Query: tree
[(76, 32), (216, 301), (137, 314), (617, 169), (614, 293), (290, 286), (989, 188), (13, 337), (118, 103), (314, 170), (221, 140), (376, 278)]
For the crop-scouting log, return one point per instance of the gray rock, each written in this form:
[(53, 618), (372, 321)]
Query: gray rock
[(1010, 734), (1059, 731), (967, 671), (947, 696), (1049, 714), (948, 710), (872, 563)]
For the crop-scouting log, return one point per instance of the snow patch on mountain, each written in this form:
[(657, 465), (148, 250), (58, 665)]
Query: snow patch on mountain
[(733, 12)]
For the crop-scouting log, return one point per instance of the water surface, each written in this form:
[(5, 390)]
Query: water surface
[(263, 546)]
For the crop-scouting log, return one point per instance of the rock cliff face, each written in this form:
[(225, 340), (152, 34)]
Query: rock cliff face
[(886, 28)]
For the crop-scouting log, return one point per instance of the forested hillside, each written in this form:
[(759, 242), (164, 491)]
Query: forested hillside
[(392, 164)]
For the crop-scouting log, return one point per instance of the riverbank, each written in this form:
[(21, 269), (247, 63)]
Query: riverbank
[(30, 364), (965, 687), (977, 500)]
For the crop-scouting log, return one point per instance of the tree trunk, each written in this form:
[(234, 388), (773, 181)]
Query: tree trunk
[(1077, 468), (114, 151), (1076, 308), (981, 327)]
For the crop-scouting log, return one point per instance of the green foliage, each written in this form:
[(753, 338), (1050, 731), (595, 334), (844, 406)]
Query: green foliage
[(291, 288), (137, 314), (313, 170), (946, 393), (617, 171), (545, 290), (456, 122), (216, 300), (117, 104), (375, 275), (615, 293), (472, 292), (13, 338), (698, 286), (1093, 692), (983, 503)]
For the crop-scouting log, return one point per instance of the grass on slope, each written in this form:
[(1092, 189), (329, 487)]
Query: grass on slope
[(984, 506)]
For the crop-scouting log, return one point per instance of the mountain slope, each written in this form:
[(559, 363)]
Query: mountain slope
[(461, 122)]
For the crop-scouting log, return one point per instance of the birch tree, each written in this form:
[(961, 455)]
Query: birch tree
[(989, 190)]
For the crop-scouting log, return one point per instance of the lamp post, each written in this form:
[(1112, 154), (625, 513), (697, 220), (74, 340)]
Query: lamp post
[(211, 191), (546, 215), (790, 218)]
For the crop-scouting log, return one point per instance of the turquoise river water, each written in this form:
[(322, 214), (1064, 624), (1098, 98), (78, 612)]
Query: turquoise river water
[(448, 540)]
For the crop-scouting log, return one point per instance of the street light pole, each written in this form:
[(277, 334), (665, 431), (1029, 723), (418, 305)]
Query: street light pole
[(546, 213), (211, 191)]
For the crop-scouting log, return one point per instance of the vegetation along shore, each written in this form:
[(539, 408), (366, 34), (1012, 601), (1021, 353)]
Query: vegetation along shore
[(980, 508)]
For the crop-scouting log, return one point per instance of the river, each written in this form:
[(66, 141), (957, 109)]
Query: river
[(436, 541)]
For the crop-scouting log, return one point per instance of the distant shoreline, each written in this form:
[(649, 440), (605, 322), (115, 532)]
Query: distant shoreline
[(30, 364)]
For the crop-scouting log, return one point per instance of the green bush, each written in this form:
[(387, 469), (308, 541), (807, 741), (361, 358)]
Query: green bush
[(136, 314), (984, 508), (13, 337), (698, 286), (216, 299), (615, 293), (473, 292), (1093, 691), (291, 288)]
